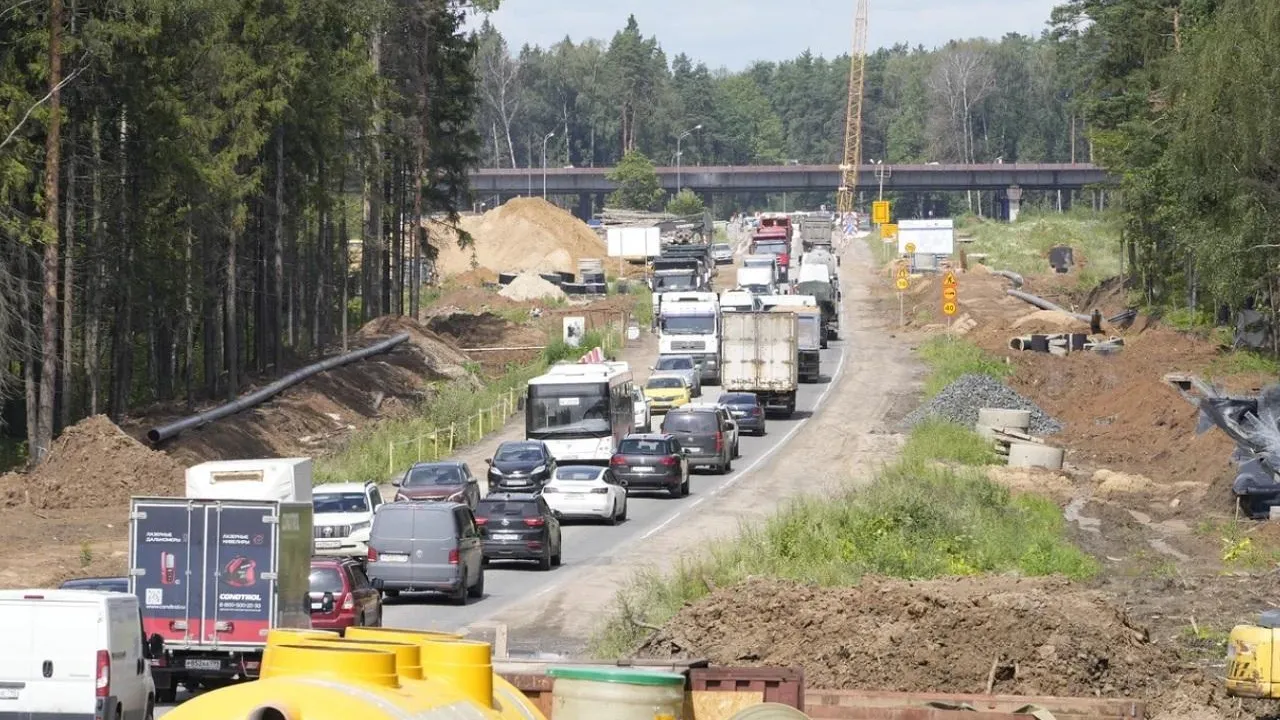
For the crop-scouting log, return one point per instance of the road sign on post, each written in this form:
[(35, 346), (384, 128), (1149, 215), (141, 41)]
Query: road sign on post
[(889, 231), (949, 308), (880, 212), (949, 293), (910, 248), (902, 283), (948, 279)]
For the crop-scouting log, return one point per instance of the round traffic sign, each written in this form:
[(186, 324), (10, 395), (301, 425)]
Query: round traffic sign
[(903, 283), (949, 308), (949, 293), (911, 248), (902, 272)]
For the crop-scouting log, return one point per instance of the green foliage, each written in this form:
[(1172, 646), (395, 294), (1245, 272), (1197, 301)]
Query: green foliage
[(916, 520), (1243, 362), (638, 185), (365, 455), (947, 442), (685, 203), (559, 350), (948, 358), (1023, 246)]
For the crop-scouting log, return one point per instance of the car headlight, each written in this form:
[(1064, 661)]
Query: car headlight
[(454, 497), (356, 527), (495, 471), (540, 468)]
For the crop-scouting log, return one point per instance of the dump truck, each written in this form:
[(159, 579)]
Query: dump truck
[(760, 354), (828, 303), (218, 569), (815, 231), (809, 343)]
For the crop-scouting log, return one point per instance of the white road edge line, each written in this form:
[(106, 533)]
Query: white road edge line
[(831, 383)]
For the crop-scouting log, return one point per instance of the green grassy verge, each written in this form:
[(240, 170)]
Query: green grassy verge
[(919, 518), (1024, 246), (948, 358)]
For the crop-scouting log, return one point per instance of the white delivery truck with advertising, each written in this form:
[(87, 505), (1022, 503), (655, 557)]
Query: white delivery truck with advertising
[(216, 570), (690, 325), (761, 356)]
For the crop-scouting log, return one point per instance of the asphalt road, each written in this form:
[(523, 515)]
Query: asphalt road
[(585, 543)]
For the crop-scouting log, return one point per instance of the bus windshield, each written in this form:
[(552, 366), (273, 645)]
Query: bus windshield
[(688, 324), (577, 410)]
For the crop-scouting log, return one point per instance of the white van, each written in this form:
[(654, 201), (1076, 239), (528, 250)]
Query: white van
[(73, 653)]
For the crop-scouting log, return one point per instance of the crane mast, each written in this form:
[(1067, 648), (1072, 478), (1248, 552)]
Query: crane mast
[(853, 119)]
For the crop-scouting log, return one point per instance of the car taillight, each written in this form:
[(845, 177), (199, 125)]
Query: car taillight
[(348, 601), (103, 686), (453, 556), (670, 461), (535, 522), (617, 460), (550, 489), (719, 441), (600, 491), (482, 520), (373, 555), (757, 410)]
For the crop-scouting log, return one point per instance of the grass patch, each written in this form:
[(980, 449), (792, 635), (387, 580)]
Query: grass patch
[(366, 455), (1023, 246), (1243, 362), (643, 308), (916, 520), (948, 358), (558, 350)]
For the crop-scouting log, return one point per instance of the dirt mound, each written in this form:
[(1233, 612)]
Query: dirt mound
[(441, 357), (1049, 321), (475, 278), (1042, 636), (93, 464), (521, 234), (530, 286)]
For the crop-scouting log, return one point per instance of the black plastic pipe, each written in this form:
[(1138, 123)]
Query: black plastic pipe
[(244, 402), (1045, 304)]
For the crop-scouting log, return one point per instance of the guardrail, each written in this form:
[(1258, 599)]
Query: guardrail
[(441, 442)]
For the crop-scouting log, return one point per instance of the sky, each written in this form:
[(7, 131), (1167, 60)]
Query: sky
[(734, 33)]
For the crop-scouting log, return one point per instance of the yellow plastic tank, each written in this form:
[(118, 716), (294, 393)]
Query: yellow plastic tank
[(588, 693), (1253, 656), (408, 655)]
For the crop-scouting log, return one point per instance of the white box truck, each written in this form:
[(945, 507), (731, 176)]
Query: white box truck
[(760, 353), (215, 571)]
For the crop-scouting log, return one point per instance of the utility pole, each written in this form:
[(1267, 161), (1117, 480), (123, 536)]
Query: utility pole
[(544, 162), (679, 139)]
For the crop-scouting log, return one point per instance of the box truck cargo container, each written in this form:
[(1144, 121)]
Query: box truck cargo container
[(760, 352)]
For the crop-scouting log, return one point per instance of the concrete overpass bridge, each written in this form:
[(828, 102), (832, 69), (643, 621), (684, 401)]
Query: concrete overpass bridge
[(1009, 179)]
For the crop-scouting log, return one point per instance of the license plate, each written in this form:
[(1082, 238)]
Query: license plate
[(693, 449), (642, 469), (202, 664), (328, 544), (739, 413), (8, 693), (504, 536), (393, 558)]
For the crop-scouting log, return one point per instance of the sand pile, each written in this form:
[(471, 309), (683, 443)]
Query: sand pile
[(522, 234), (1044, 636), (530, 286), (93, 464)]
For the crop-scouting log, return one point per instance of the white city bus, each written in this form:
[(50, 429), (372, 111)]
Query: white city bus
[(581, 411)]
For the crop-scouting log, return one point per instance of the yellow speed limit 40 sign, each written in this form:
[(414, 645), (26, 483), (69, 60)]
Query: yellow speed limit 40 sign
[(949, 308)]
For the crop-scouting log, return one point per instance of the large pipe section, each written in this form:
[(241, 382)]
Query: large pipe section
[(244, 402), (1011, 276), (1045, 304)]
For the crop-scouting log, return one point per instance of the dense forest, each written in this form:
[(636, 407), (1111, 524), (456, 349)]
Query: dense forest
[(193, 195)]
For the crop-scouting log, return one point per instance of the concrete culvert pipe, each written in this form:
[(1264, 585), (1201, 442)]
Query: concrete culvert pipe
[(769, 711), (1006, 419), (1033, 455)]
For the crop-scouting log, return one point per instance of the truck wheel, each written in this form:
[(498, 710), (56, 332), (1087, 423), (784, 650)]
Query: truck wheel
[(460, 597), (728, 465), (477, 590)]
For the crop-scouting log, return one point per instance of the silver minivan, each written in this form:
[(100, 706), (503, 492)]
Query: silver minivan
[(426, 547)]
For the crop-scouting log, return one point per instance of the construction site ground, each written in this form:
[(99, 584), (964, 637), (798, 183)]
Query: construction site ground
[(68, 518), (1140, 492)]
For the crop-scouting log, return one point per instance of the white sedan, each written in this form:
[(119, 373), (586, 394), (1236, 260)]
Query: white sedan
[(586, 491)]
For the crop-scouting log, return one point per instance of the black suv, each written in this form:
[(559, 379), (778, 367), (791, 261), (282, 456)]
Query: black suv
[(649, 461), (704, 434), (519, 526), (520, 466)]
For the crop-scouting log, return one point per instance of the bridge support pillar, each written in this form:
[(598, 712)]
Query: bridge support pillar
[(1014, 196), (584, 207)]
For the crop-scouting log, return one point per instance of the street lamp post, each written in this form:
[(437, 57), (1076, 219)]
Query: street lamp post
[(544, 162), (680, 138)]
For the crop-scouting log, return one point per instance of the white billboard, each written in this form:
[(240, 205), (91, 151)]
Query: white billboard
[(930, 237), (634, 242)]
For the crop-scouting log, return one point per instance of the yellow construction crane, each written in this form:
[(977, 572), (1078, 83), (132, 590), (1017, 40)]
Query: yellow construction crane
[(853, 119)]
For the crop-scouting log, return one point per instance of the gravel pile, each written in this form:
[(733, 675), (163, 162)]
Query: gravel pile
[(960, 401), (530, 286)]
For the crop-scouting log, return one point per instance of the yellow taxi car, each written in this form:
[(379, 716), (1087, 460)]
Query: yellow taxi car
[(666, 392)]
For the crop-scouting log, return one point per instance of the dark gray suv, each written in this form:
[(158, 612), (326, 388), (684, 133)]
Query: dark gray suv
[(704, 435)]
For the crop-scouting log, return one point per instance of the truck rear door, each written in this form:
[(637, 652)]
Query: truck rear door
[(166, 567), (49, 664), (240, 572)]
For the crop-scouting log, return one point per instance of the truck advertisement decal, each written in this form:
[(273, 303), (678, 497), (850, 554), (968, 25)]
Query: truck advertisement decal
[(167, 546), (238, 598)]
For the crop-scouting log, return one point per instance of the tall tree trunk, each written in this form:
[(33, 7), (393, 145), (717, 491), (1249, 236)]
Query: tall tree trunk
[(343, 245), (277, 260), (25, 272), (232, 320), (188, 320), (93, 287), (49, 306), (377, 253), (68, 290)]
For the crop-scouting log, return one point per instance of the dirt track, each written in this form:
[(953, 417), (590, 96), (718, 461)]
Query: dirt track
[(848, 433)]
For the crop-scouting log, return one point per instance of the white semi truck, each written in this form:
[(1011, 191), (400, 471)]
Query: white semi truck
[(762, 356), (690, 324)]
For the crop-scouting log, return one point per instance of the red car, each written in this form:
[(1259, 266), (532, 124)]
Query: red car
[(355, 601)]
